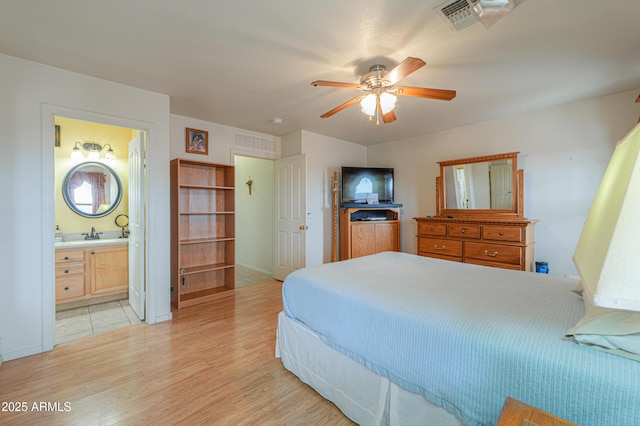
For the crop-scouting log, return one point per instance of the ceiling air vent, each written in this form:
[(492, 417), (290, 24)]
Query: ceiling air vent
[(457, 14)]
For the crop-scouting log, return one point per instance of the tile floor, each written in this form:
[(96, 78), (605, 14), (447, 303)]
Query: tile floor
[(89, 320), (246, 276)]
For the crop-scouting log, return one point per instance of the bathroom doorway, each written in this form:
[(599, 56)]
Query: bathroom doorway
[(93, 251)]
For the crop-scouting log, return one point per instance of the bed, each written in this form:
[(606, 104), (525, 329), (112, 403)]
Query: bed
[(395, 338)]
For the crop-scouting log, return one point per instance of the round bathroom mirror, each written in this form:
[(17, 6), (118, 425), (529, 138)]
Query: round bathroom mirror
[(92, 189), (122, 220)]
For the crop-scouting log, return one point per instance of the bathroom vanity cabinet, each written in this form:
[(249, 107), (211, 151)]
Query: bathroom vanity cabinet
[(70, 275), (109, 270), (88, 272), (202, 232)]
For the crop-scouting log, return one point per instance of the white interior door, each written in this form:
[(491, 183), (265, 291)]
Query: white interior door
[(136, 225), (501, 186), (290, 215)]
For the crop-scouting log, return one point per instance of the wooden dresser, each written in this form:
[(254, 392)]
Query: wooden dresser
[(500, 242), (479, 214)]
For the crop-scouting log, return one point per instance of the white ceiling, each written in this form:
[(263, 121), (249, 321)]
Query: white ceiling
[(243, 62)]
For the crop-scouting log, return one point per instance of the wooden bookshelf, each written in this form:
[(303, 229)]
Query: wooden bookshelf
[(202, 232)]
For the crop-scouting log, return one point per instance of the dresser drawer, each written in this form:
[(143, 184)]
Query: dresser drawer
[(440, 247), (502, 233), (67, 288), (493, 252), (436, 229), (69, 256), (464, 231)]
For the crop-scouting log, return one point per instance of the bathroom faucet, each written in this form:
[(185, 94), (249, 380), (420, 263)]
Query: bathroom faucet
[(93, 235)]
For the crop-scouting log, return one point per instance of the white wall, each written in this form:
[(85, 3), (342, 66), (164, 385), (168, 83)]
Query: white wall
[(221, 140), (222, 150), (32, 94), (254, 213), (324, 156), (563, 150)]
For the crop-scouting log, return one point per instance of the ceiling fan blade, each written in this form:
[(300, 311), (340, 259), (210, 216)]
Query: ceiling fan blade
[(335, 84), (422, 92), (341, 107), (389, 117), (403, 69)]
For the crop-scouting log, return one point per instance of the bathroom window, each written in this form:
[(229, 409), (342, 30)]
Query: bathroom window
[(83, 197)]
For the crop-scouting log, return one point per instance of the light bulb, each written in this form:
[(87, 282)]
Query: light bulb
[(76, 154), (368, 104), (387, 102)]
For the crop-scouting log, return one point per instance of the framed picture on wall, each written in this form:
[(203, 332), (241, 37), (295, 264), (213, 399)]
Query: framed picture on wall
[(197, 141), (57, 141)]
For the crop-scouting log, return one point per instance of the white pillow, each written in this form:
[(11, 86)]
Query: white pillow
[(609, 330)]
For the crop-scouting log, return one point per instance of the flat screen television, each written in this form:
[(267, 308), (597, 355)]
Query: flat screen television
[(359, 182)]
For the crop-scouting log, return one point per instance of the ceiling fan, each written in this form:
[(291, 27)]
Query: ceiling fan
[(380, 90)]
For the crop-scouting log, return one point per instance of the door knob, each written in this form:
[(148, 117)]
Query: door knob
[(303, 227)]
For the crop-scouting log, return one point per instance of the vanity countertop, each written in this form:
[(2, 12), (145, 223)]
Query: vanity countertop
[(92, 243)]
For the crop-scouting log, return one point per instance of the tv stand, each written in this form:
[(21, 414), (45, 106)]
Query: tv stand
[(368, 228)]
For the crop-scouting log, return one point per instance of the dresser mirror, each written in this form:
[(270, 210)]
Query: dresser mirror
[(487, 185), (92, 189)]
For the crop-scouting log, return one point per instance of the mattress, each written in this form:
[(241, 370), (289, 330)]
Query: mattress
[(464, 337)]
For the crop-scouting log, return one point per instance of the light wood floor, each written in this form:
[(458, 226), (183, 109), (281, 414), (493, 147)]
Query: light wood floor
[(212, 364)]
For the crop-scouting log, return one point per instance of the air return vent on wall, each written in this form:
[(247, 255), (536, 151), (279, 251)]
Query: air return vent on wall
[(460, 14), (257, 145)]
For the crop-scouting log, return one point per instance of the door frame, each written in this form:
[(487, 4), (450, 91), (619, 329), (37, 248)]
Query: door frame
[(49, 112)]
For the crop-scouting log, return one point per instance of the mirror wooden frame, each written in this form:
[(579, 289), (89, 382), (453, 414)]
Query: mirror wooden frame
[(517, 178)]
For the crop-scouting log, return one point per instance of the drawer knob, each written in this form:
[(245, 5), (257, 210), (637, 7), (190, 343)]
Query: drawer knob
[(66, 258), (494, 254), (501, 233), (442, 247), (462, 231), (66, 289), (66, 271)]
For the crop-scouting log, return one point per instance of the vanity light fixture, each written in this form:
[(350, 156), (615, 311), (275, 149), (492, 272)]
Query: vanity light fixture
[(93, 149), (76, 154), (109, 155)]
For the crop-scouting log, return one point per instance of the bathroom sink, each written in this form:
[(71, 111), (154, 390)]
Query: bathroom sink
[(92, 243)]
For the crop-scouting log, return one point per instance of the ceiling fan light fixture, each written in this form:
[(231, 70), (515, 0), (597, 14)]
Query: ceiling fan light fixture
[(368, 104), (387, 102), (381, 90)]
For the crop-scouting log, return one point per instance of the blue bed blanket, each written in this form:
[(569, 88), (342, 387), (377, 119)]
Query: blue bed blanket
[(465, 337)]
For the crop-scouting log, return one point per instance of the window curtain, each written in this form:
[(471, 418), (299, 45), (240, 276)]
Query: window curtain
[(96, 180)]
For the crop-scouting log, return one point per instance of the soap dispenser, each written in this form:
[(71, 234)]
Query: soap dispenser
[(58, 234)]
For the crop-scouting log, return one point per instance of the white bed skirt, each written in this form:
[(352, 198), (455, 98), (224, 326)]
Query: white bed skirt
[(363, 396)]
